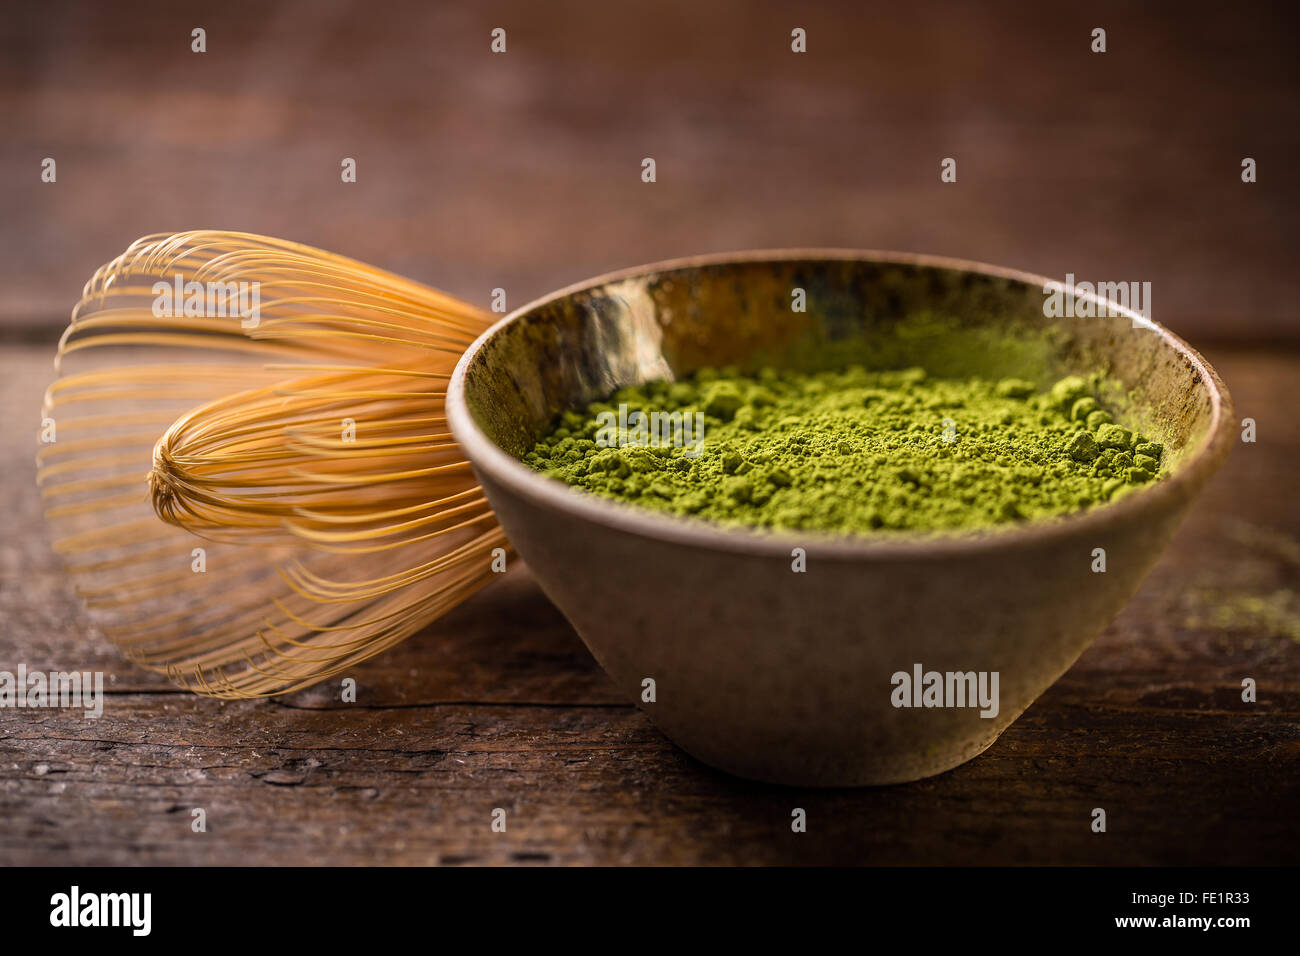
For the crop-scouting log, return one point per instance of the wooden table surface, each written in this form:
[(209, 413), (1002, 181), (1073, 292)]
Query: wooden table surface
[(500, 705)]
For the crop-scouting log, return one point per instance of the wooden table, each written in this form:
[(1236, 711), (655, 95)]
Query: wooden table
[(500, 705)]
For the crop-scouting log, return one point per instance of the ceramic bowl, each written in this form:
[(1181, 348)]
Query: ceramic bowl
[(787, 676)]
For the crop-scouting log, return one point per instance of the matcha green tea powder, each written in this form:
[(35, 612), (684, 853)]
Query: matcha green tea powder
[(851, 451)]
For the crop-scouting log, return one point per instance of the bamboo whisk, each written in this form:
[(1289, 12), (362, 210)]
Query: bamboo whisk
[(250, 504)]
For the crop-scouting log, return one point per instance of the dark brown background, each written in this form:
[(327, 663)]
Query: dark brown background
[(522, 171)]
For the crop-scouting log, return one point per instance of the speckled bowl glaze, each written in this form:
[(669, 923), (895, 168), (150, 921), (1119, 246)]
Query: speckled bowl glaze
[(782, 676)]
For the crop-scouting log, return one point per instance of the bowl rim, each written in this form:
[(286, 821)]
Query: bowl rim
[(537, 489)]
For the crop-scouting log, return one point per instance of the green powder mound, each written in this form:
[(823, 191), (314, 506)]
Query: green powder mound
[(852, 451)]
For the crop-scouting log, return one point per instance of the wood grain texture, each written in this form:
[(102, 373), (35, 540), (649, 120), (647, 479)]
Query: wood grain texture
[(499, 705), (522, 171)]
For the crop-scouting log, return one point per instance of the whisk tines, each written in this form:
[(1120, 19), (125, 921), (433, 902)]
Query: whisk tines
[(254, 485)]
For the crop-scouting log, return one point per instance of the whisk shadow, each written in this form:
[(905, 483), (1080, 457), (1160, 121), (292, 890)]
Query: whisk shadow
[(505, 646)]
